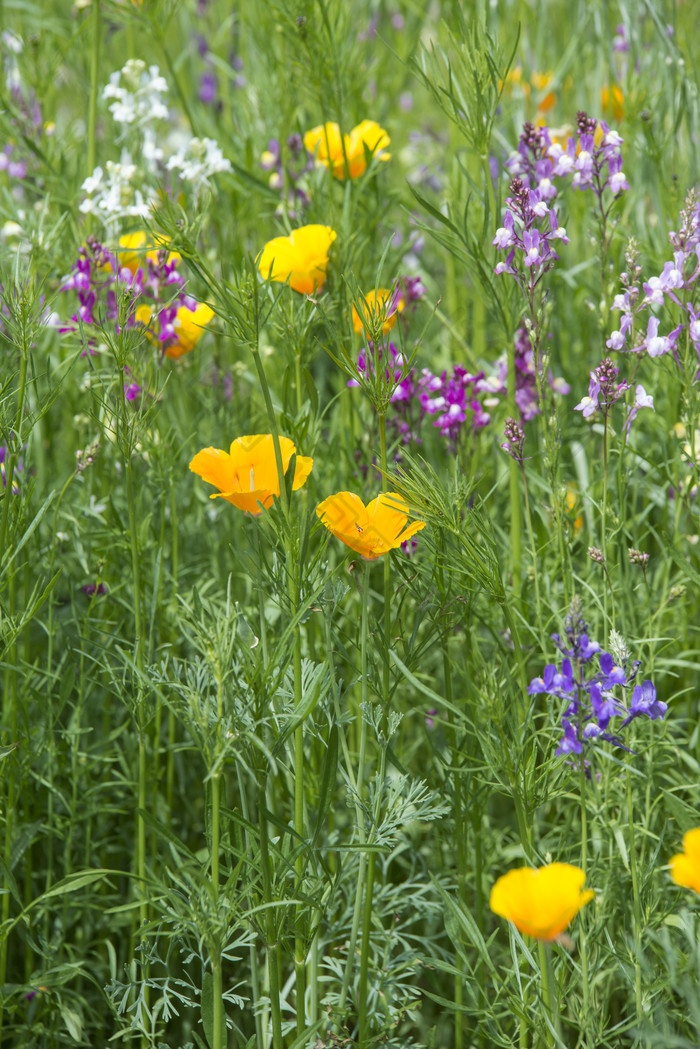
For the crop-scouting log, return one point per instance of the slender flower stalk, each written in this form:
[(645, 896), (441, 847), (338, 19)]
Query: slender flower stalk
[(362, 830), (94, 74)]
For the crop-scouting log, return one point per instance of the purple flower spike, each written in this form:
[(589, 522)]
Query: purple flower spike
[(595, 701)]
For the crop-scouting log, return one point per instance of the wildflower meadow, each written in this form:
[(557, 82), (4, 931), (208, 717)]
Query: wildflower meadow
[(349, 540)]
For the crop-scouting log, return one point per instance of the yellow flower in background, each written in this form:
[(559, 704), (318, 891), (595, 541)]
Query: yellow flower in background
[(134, 248), (571, 499), (188, 325), (385, 304), (332, 149), (537, 83), (685, 866), (612, 102), (541, 902), (370, 530), (247, 475), (302, 258), (540, 82)]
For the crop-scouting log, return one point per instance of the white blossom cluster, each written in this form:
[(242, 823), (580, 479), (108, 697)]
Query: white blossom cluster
[(11, 45), (120, 190), (139, 93), (117, 192), (197, 161)]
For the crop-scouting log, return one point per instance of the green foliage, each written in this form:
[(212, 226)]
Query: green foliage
[(254, 789)]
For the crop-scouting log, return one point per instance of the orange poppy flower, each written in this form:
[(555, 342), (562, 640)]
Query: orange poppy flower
[(188, 325), (301, 258), (384, 305), (685, 866), (370, 530), (247, 475), (332, 149), (541, 902)]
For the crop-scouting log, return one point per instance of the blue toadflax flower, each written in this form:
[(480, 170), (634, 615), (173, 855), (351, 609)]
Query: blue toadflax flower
[(595, 699)]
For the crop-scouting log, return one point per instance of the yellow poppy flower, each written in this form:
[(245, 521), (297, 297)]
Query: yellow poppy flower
[(370, 530), (386, 304), (541, 902), (247, 475), (332, 149), (613, 102), (302, 257), (685, 866), (540, 82), (131, 253), (188, 325), (571, 500)]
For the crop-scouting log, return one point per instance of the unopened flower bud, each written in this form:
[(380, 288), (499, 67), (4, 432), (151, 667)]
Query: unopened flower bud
[(636, 557)]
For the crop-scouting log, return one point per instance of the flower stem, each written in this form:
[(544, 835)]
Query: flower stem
[(583, 942), (270, 932), (604, 520), (515, 544), (140, 858), (94, 73), (371, 865), (636, 903), (362, 830)]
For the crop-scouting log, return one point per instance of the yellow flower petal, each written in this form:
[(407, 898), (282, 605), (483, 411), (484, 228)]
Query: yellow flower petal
[(685, 866), (370, 530), (247, 476), (541, 902), (131, 254), (347, 153), (301, 258), (189, 325), (375, 306)]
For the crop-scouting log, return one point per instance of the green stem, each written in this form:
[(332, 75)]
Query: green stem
[(260, 1020), (299, 947), (270, 934), (92, 105), (265, 389), (603, 527), (371, 866), (636, 903), (533, 552), (364, 952), (13, 456), (359, 891), (10, 675), (583, 942), (515, 543), (548, 983), (140, 858), (218, 1002)]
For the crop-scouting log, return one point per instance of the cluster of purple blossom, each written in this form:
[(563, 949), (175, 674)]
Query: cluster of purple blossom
[(28, 126), (604, 391), (288, 174), (152, 290), (524, 230), (592, 158), (593, 700), (451, 398), (670, 288), (456, 400), (526, 395), (209, 80), (530, 226)]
